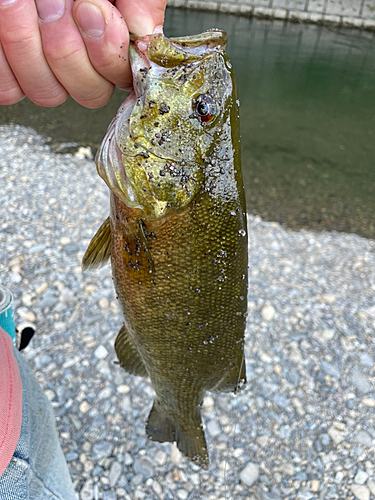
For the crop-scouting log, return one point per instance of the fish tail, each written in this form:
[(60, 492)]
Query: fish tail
[(191, 442)]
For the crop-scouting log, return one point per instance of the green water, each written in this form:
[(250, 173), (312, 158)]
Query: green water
[(307, 119)]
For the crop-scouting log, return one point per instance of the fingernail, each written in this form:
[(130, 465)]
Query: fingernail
[(90, 20), (5, 3), (50, 10)]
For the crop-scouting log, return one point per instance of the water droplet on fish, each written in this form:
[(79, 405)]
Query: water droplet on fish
[(205, 342), (232, 212), (242, 232), (197, 290)]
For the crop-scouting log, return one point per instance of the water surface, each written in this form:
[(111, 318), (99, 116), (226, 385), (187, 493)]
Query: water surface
[(307, 118)]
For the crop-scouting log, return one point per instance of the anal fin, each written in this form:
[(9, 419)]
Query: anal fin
[(191, 442), (99, 249), (128, 354)]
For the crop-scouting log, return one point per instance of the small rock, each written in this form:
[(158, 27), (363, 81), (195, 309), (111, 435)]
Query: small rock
[(64, 240), (182, 494), (371, 486), (123, 389), (175, 455), (328, 298), (213, 428), (360, 492), (50, 394), (364, 439), (87, 491), (361, 477), (144, 466), (27, 316), (84, 406), (262, 441), (360, 382), (314, 485), (101, 352), (249, 475), (327, 334), (336, 436), (109, 495), (268, 313), (366, 359), (160, 457), (71, 248), (287, 468), (102, 449), (369, 402), (104, 303), (330, 369), (114, 473)]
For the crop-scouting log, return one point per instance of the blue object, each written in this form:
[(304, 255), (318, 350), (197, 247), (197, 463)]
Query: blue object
[(6, 313)]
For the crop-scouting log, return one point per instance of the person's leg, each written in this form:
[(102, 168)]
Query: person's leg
[(38, 470)]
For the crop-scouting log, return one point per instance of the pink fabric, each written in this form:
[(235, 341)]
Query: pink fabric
[(10, 401)]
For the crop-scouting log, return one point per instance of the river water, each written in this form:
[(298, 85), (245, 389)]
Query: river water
[(307, 97)]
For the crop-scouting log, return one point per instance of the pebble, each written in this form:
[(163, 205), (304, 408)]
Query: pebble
[(213, 428), (314, 485), (144, 466), (360, 492), (364, 439), (336, 436), (101, 352), (360, 382), (114, 473), (371, 486), (287, 468), (327, 334), (249, 475), (182, 494), (109, 495), (175, 455), (87, 491), (102, 449), (361, 477), (160, 457), (268, 313)]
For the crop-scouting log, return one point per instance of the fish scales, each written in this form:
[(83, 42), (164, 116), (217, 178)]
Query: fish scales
[(179, 267)]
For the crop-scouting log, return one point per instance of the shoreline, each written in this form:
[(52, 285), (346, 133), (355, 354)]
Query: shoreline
[(277, 10)]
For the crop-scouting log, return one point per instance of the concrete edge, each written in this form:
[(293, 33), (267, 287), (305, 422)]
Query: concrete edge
[(296, 16)]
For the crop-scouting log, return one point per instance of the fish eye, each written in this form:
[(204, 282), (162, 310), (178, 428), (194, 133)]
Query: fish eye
[(204, 107)]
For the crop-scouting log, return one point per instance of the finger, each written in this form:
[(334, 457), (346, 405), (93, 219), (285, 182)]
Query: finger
[(106, 36), (66, 54), (10, 91), (142, 16), (20, 39)]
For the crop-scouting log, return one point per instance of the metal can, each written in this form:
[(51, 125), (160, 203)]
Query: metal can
[(6, 313)]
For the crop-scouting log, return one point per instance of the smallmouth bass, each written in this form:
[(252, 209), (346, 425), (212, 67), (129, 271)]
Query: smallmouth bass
[(176, 234)]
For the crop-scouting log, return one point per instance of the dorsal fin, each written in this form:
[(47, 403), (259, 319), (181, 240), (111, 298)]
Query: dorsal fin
[(99, 249)]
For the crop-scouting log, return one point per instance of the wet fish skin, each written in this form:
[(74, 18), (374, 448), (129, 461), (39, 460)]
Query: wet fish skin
[(178, 240)]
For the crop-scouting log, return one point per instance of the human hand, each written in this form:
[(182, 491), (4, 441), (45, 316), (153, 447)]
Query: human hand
[(50, 49)]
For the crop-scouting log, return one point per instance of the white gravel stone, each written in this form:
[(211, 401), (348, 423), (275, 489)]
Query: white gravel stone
[(249, 475), (268, 313), (360, 492), (213, 428), (114, 473), (361, 477), (101, 352), (87, 491)]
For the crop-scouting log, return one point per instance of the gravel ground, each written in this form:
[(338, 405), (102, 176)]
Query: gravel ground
[(303, 428)]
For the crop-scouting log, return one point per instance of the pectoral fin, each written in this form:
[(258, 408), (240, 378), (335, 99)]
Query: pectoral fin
[(99, 250), (128, 355)]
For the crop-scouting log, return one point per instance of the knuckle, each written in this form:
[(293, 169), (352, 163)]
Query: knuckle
[(18, 39), (49, 102), (12, 96), (97, 99), (66, 57)]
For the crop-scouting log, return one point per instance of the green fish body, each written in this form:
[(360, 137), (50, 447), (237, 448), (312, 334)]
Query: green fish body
[(177, 234)]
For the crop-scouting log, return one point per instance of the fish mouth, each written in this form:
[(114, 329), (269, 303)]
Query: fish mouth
[(155, 52)]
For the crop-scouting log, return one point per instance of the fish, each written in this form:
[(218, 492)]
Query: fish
[(176, 235)]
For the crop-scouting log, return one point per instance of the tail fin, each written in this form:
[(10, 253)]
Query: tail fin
[(191, 442)]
